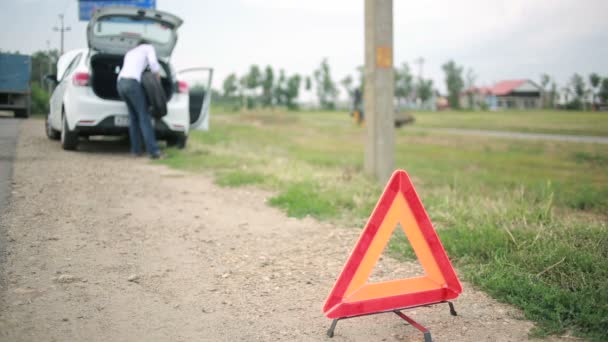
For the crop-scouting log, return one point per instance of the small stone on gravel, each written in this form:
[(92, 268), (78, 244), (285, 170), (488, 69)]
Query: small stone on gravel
[(66, 279), (134, 278)]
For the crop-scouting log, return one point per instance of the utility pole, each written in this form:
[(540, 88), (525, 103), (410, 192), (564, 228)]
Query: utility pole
[(61, 29), (420, 62), (379, 89)]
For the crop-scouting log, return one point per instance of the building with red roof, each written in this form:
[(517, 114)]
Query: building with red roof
[(510, 94)]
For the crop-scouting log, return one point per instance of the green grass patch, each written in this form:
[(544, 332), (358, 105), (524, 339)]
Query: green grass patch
[(515, 249), (523, 220), (238, 178), (554, 275), (302, 199), (595, 158), (536, 121)]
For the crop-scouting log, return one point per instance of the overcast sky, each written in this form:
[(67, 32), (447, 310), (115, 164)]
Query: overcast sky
[(498, 39)]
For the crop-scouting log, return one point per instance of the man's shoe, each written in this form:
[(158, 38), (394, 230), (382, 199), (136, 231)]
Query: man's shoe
[(159, 155)]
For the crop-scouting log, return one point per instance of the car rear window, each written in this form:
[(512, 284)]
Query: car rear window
[(151, 30)]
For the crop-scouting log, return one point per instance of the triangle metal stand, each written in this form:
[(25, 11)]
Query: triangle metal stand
[(425, 331)]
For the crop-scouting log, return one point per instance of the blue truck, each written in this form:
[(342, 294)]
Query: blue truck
[(15, 92)]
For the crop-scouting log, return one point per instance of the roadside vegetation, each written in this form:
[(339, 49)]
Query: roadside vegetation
[(523, 220)]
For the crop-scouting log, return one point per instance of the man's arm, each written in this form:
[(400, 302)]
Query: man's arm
[(153, 61)]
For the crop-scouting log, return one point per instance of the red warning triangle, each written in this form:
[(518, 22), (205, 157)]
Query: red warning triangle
[(353, 296)]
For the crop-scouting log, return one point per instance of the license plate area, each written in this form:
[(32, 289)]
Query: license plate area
[(121, 121)]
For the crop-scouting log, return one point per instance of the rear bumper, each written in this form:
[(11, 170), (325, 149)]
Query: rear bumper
[(91, 115), (108, 127)]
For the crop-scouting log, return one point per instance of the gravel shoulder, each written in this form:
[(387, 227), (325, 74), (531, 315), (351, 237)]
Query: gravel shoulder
[(105, 247)]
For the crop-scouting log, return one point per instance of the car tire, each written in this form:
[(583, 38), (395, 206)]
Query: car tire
[(155, 95), (178, 140), (21, 113), (51, 133), (69, 139)]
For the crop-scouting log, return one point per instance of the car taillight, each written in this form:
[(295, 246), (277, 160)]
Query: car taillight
[(182, 87), (81, 79)]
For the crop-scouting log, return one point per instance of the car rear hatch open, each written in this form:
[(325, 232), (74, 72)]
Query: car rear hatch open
[(117, 29)]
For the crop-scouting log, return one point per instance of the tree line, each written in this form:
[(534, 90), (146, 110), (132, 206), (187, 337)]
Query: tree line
[(268, 87), (262, 88), (258, 88), (575, 93)]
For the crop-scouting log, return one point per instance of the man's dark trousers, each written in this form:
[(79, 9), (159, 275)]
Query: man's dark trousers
[(131, 91)]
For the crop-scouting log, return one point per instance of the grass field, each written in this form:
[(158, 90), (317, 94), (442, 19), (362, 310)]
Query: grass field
[(555, 122), (523, 220)]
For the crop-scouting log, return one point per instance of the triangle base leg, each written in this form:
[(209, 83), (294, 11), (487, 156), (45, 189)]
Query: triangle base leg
[(425, 331), (330, 331), (452, 310)]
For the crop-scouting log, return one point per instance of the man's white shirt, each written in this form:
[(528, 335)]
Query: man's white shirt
[(136, 61)]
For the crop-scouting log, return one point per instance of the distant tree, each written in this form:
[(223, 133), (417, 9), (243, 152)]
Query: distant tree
[(230, 86), (470, 84), (292, 91), (243, 91), (347, 84), (267, 86), (308, 83), (577, 85), (567, 92), (254, 77), (553, 95), (43, 63), (594, 81), (424, 89), (280, 88), (404, 83), (253, 80), (361, 72), (326, 88), (454, 83), (544, 82), (603, 92)]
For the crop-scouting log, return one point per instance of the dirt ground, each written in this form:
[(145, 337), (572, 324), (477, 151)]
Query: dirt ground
[(101, 246)]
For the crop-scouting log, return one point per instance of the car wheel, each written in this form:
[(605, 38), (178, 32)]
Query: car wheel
[(51, 133), (157, 98), (178, 140), (21, 113), (69, 139)]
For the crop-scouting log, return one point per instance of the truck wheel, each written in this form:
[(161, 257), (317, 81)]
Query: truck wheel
[(21, 113), (178, 140), (69, 139), (51, 133)]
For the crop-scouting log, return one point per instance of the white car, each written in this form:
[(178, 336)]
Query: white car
[(85, 101)]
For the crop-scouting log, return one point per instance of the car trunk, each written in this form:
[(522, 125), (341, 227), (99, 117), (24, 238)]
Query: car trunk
[(104, 72)]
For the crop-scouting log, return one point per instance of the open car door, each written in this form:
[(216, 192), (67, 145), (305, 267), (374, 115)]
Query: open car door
[(199, 84)]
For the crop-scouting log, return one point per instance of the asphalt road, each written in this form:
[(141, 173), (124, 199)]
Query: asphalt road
[(9, 129)]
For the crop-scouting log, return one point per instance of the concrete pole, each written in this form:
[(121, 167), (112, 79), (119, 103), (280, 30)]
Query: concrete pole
[(379, 89)]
